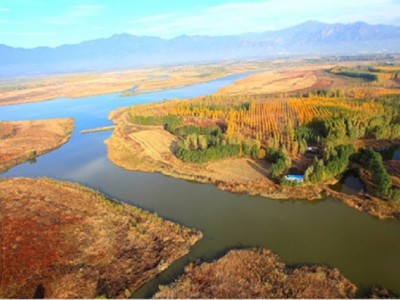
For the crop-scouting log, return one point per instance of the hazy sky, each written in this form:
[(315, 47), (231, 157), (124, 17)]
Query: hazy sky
[(32, 23)]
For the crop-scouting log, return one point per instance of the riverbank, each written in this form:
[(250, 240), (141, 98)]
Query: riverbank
[(284, 80), (257, 273), (366, 203), (63, 240), (151, 149), (126, 82), (367, 200), (286, 75), (21, 141)]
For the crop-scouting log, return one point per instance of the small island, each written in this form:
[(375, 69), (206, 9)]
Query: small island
[(257, 273)]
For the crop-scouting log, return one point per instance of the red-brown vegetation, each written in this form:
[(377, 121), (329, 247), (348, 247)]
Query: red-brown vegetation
[(24, 140), (70, 242), (257, 273)]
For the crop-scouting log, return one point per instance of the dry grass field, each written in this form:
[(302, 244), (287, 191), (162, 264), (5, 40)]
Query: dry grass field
[(62, 240), (283, 80), (257, 273), (24, 140), (152, 149), (285, 75), (127, 82)]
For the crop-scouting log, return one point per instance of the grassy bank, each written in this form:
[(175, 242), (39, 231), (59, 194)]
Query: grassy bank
[(21, 141)]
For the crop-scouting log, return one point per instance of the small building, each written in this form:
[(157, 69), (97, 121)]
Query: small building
[(312, 149), (297, 178)]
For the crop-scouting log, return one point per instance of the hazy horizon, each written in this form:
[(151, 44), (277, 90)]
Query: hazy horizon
[(29, 24), (183, 34)]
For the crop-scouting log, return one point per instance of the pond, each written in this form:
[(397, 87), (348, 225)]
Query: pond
[(350, 183), (390, 153), (365, 249)]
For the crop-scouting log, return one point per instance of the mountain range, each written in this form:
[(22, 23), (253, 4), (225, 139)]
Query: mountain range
[(125, 50)]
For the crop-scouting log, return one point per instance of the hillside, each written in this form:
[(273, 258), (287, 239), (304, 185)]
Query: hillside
[(124, 50)]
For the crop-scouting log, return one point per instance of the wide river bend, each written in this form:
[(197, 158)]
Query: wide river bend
[(365, 249)]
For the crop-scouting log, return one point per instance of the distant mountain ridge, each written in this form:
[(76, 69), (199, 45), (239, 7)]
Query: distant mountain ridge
[(125, 50)]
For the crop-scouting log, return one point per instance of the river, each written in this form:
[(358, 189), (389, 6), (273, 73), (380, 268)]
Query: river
[(365, 249)]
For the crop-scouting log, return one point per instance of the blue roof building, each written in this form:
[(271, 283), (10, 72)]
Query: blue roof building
[(298, 178)]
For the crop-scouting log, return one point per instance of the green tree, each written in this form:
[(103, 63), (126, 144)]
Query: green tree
[(193, 141), (202, 141)]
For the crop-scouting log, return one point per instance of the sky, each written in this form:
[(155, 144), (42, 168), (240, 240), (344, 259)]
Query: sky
[(34, 23)]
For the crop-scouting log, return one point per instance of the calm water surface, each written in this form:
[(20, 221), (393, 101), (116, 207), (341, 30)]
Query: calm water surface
[(365, 249), (390, 153), (350, 183)]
